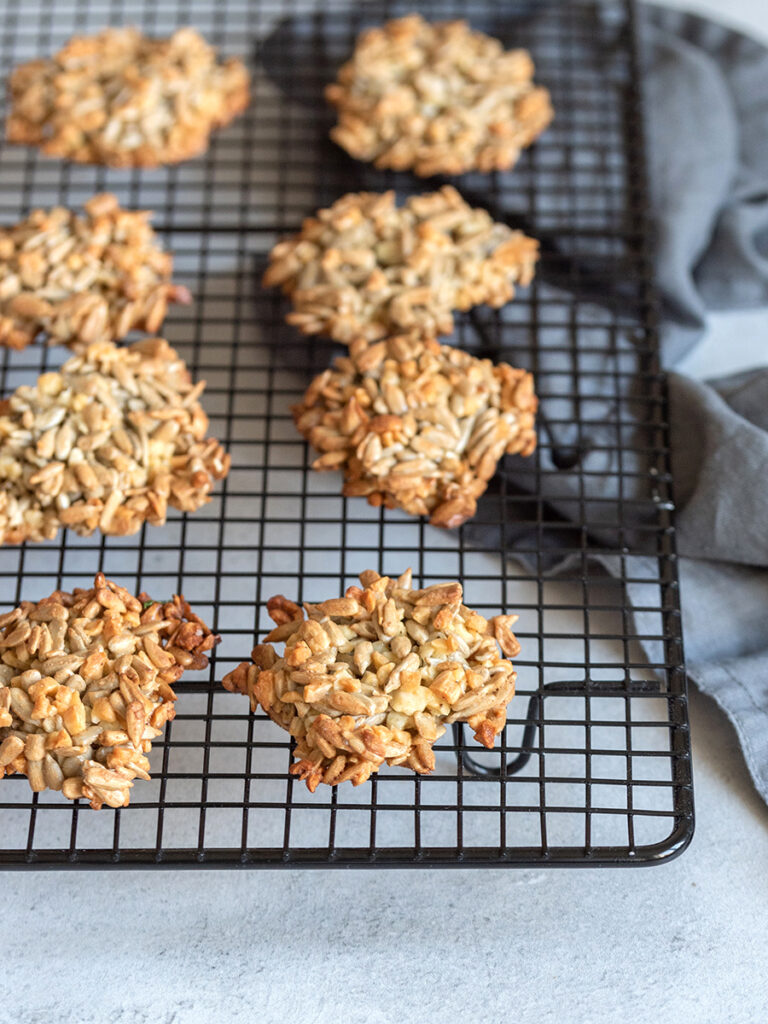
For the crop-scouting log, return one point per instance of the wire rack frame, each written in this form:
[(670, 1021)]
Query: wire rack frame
[(594, 765)]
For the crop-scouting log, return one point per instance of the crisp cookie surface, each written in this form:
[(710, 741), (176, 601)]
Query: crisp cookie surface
[(436, 99), (375, 676), (83, 278), (367, 268), (108, 442), (122, 99), (418, 426), (86, 686)]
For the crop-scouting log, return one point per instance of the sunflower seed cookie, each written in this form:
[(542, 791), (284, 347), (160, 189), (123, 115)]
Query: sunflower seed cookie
[(108, 443), (375, 676), (86, 686), (367, 268), (124, 100), (437, 99), (83, 279), (418, 426)]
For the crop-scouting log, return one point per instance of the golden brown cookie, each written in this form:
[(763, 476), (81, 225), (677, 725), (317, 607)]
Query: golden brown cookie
[(418, 426), (83, 279), (367, 268), (108, 443), (86, 686), (375, 676), (437, 99), (121, 99)]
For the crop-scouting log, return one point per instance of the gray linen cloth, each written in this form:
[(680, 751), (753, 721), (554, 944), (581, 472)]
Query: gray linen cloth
[(707, 105), (706, 91), (707, 123)]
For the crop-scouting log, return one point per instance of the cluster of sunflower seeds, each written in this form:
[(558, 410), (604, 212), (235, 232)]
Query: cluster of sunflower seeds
[(375, 676), (86, 686), (418, 426), (122, 99), (367, 268), (83, 279), (437, 99), (107, 442)]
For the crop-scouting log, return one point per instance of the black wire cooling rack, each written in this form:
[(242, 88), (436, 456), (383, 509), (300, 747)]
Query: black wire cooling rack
[(594, 766)]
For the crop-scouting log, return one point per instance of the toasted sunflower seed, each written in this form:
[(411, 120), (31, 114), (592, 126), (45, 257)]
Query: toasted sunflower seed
[(121, 99), (483, 411), (437, 99), (367, 268), (142, 392), (353, 704), (87, 740), (82, 279)]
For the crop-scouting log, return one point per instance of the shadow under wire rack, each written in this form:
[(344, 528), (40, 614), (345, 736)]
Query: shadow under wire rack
[(594, 765)]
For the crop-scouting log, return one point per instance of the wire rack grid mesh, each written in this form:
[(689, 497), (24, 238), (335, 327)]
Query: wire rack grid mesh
[(594, 765)]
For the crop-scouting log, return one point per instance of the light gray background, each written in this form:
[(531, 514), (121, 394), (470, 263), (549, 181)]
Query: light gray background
[(685, 941)]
